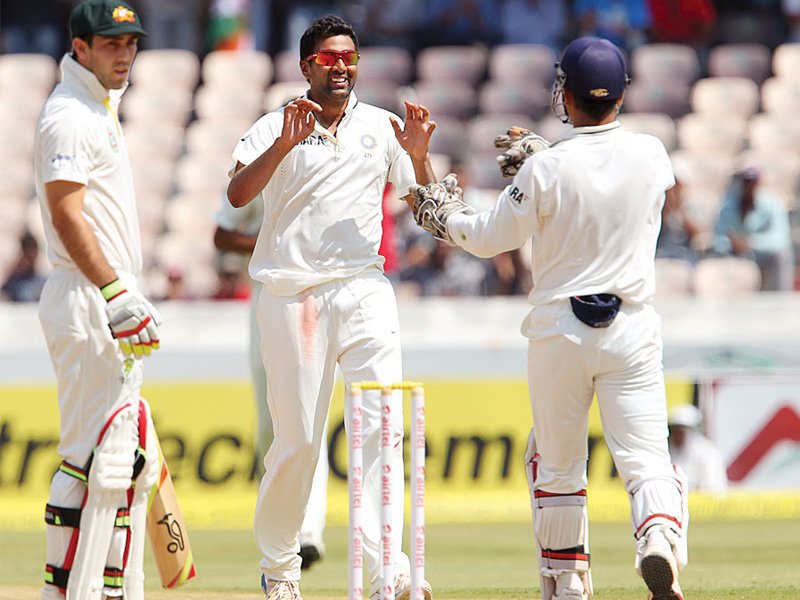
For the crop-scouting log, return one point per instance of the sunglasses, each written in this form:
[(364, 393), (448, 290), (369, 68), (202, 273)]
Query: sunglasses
[(328, 58)]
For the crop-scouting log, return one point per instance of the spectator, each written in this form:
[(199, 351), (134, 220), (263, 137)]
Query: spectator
[(391, 22), (175, 288), (437, 269), (33, 26), (24, 283), (755, 224), (535, 22), (682, 22), (461, 22), (679, 230), (791, 12), (231, 284), (622, 22), (173, 24), (693, 452)]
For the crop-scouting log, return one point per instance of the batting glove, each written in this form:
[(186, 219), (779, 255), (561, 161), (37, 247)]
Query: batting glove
[(519, 143), (132, 319)]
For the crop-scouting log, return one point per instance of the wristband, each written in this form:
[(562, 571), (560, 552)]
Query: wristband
[(112, 290)]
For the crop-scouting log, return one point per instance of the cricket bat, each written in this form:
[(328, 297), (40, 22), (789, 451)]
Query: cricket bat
[(166, 529)]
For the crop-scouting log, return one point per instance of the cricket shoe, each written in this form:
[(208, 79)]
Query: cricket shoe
[(280, 590), (402, 589), (659, 568), (309, 554)]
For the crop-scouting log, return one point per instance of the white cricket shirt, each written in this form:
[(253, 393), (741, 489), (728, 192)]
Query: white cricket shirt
[(79, 139), (592, 205), (322, 207)]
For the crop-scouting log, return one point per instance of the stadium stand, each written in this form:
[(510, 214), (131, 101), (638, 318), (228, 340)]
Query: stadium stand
[(739, 103)]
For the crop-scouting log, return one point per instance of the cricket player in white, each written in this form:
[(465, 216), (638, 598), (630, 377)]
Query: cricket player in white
[(237, 231), (96, 323), (591, 203), (320, 164)]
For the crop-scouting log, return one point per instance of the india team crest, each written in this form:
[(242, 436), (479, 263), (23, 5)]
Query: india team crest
[(122, 14), (368, 141)]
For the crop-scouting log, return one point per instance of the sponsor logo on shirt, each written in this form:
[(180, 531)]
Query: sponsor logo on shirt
[(517, 195), (112, 139), (59, 161), (313, 140)]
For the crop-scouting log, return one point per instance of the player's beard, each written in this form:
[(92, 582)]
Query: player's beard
[(339, 93)]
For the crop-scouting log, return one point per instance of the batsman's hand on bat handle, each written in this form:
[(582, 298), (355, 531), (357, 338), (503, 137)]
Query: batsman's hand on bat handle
[(133, 321), (298, 122), (519, 143)]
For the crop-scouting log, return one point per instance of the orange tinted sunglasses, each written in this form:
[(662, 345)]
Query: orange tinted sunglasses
[(328, 58)]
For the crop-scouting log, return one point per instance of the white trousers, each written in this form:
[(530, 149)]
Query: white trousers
[(313, 526), (352, 323), (568, 363)]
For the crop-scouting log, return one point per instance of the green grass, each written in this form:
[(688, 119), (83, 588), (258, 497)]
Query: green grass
[(751, 560)]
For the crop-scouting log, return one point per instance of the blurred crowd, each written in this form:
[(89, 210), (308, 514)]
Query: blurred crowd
[(272, 25), (751, 224)]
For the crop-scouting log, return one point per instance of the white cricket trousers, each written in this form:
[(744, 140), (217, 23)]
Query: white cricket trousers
[(568, 363), (313, 526), (351, 322)]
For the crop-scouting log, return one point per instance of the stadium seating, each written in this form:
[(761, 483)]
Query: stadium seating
[(166, 69), (385, 63), (248, 71), (180, 142), (675, 63), (736, 97), (461, 64), (657, 124), (786, 61), (673, 277), (753, 61), (725, 276), (522, 65)]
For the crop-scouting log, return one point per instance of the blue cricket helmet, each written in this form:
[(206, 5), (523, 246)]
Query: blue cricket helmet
[(593, 68)]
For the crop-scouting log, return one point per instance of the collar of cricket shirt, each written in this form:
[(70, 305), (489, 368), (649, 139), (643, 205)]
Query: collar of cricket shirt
[(352, 100), (594, 128), (71, 69)]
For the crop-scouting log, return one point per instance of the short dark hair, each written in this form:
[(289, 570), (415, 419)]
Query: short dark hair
[(322, 29), (595, 110)]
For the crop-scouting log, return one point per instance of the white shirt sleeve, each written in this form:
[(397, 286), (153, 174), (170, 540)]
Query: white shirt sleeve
[(506, 226), (65, 146), (258, 138)]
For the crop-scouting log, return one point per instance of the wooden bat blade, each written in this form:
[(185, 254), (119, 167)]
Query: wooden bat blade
[(167, 531)]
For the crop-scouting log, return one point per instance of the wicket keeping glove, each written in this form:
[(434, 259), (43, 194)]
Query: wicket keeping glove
[(519, 143), (132, 319), (434, 203)]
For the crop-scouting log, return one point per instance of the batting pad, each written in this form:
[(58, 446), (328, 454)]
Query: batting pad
[(561, 529)]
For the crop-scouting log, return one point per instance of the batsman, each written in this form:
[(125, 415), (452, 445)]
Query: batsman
[(97, 324), (591, 203)]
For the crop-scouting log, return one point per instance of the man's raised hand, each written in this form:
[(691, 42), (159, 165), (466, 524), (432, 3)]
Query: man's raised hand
[(298, 120), (415, 134)]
